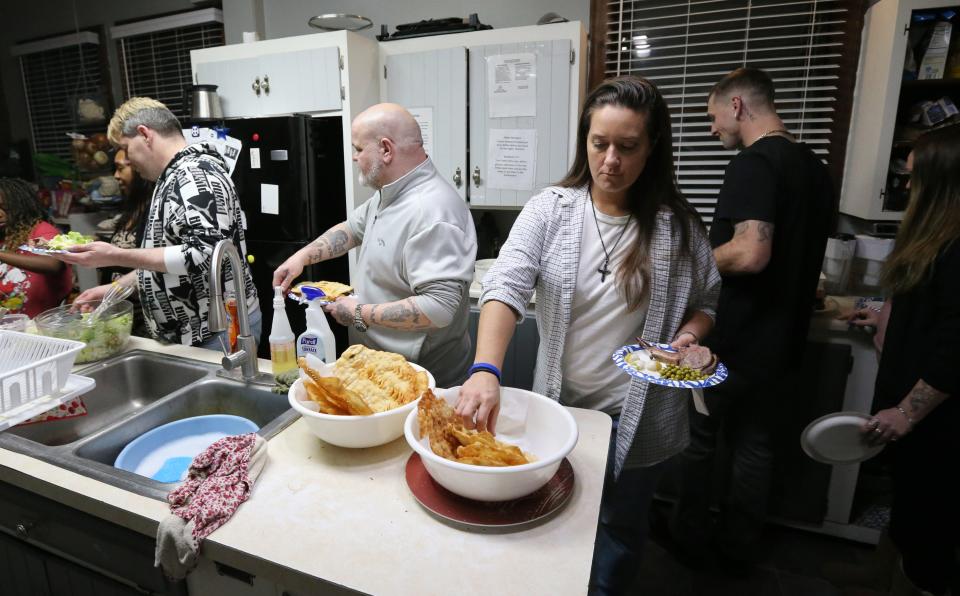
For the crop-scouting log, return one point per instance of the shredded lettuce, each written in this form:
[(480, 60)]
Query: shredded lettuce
[(65, 241), (104, 338)]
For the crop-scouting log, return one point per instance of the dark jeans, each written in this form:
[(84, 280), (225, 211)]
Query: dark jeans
[(623, 528), (746, 415)]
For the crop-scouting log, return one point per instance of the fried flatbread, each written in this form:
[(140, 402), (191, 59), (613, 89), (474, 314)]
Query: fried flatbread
[(384, 379), (450, 440), (435, 416)]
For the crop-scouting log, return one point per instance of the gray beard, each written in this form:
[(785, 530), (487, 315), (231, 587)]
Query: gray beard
[(372, 178)]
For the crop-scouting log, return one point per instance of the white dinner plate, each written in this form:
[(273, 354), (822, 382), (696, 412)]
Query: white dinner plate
[(836, 439)]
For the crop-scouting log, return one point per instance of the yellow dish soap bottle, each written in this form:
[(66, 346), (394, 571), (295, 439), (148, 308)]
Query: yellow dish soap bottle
[(283, 352)]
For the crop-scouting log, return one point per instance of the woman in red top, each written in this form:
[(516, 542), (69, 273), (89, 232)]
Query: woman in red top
[(28, 283)]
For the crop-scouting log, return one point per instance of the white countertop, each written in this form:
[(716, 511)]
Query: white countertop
[(320, 513)]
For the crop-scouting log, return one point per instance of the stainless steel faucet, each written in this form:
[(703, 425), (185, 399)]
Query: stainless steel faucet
[(246, 354)]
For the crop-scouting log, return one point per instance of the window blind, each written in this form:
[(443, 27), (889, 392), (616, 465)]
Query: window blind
[(685, 47), (57, 73), (155, 54)]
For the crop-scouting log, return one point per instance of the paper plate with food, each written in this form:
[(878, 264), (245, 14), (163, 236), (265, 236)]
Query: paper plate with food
[(59, 244), (690, 367), (325, 291)]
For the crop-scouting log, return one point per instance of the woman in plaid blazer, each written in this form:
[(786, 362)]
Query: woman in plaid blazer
[(613, 251)]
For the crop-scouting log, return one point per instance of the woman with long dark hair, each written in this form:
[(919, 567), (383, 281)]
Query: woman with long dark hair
[(613, 251), (132, 220), (29, 283), (917, 381)]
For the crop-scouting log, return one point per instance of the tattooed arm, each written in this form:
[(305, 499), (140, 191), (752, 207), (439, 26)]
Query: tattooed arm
[(891, 424), (400, 314), (749, 249), (333, 243)]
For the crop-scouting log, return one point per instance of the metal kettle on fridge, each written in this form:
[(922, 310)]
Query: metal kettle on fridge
[(202, 102)]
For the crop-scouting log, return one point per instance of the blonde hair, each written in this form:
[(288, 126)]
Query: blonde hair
[(144, 111)]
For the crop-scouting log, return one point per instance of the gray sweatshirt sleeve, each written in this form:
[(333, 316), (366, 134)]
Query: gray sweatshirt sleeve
[(440, 300)]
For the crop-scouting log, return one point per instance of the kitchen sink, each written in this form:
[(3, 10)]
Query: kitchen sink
[(138, 391), (210, 396), (124, 385)]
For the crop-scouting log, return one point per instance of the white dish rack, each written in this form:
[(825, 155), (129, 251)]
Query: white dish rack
[(35, 375)]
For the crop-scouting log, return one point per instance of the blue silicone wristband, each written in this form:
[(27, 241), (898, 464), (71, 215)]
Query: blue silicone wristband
[(485, 368)]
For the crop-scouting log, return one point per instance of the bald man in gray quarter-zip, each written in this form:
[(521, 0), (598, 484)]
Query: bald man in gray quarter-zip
[(417, 247)]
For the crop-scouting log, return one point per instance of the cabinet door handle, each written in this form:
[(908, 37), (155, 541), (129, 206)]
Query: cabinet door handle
[(256, 85), (266, 84), (23, 529), (476, 176), (457, 178)]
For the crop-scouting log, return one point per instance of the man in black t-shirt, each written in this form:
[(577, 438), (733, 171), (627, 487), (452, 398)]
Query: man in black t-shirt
[(774, 213)]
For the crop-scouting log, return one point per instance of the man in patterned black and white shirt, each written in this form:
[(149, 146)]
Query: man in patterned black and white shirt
[(194, 206)]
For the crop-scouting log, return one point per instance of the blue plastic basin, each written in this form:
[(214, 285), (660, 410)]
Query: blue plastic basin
[(165, 453)]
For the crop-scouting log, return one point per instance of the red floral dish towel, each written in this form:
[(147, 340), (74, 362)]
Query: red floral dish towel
[(73, 408), (218, 482)]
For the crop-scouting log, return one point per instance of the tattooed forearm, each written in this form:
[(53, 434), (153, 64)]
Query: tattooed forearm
[(403, 314), (319, 250), (338, 243), (922, 399)]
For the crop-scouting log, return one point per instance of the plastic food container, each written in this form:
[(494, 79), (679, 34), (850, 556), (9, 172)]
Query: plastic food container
[(480, 269), (104, 338), (836, 265), (868, 262), (16, 322)]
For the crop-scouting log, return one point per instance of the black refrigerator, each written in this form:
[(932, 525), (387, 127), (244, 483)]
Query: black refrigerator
[(289, 177)]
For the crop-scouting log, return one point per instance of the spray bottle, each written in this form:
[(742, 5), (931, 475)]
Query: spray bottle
[(318, 338), (283, 355)]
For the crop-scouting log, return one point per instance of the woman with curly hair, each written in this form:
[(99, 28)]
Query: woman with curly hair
[(29, 283)]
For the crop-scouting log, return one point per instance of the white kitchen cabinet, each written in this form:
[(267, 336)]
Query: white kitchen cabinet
[(554, 70), (876, 101), (424, 75), (433, 86), (278, 82)]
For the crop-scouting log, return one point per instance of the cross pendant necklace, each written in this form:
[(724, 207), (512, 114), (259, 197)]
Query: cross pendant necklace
[(603, 270)]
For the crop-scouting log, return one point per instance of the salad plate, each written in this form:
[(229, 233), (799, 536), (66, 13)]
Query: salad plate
[(57, 245), (633, 360), (42, 251)]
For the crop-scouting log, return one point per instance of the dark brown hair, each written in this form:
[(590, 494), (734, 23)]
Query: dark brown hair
[(656, 187), (746, 80), (23, 209), (932, 220)]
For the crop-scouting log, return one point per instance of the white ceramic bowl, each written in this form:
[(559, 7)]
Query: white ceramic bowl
[(353, 431), (550, 432)]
